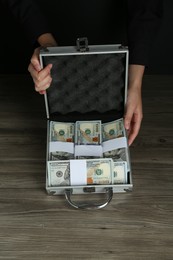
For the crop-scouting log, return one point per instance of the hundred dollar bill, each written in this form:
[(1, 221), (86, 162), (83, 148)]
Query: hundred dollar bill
[(87, 157), (61, 132), (99, 171), (59, 173), (112, 130), (117, 154), (88, 133), (61, 156), (120, 173)]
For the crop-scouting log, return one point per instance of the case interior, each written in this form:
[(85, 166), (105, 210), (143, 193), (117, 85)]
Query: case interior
[(86, 87)]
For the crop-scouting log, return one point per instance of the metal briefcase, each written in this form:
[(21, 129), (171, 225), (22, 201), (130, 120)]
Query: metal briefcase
[(89, 83)]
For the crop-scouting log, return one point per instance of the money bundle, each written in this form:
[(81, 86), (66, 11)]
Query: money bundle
[(86, 140), (87, 133), (62, 133), (110, 168), (113, 130), (119, 173), (101, 171), (59, 173)]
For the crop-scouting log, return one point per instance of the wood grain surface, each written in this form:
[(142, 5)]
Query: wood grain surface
[(33, 225)]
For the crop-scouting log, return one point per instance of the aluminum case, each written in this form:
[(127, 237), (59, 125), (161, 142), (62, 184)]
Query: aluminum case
[(68, 191)]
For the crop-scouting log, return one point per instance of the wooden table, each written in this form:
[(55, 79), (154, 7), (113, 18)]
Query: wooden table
[(33, 225)]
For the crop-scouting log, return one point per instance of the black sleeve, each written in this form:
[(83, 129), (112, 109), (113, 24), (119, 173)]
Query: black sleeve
[(30, 17), (144, 19)]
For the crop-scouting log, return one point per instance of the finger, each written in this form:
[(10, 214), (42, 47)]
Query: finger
[(41, 78), (42, 92), (128, 116), (134, 129), (35, 60), (44, 73), (33, 72), (44, 84)]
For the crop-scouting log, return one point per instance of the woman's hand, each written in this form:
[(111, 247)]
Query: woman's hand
[(133, 113), (41, 77)]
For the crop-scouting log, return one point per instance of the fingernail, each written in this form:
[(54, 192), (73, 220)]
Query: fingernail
[(42, 92), (127, 125), (50, 66), (37, 67)]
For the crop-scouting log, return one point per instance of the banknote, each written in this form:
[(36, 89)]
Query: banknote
[(61, 156), (99, 171), (112, 130), (117, 154), (61, 132), (119, 173), (88, 133), (59, 173), (86, 157)]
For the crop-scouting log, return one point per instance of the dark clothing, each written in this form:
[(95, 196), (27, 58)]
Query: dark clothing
[(30, 17), (130, 22)]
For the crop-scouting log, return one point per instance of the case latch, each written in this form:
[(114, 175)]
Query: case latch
[(82, 44)]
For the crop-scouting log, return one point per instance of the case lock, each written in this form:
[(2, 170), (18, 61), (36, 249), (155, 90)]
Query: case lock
[(89, 189), (82, 44)]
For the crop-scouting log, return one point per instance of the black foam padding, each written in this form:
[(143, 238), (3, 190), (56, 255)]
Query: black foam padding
[(87, 82), (93, 115)]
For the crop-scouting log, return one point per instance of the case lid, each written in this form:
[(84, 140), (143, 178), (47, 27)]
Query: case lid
[(87, 83)]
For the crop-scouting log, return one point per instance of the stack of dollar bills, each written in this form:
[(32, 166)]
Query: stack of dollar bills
[(102, 146), (101, 171), (61, 134)]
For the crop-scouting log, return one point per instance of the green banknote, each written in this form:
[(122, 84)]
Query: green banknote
[(88, 133), (59, 173), (61, 156), (102, 171), (120, 173), (117, 154), (99, 171), (112, 130), (61, 132)]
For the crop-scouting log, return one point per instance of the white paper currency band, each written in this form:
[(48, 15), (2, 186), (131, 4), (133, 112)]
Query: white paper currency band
[(113, 144), (78, 172), (88, 150), (61, 146)]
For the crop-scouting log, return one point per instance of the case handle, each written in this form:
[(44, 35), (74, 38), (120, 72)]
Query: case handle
[(109, 195)]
